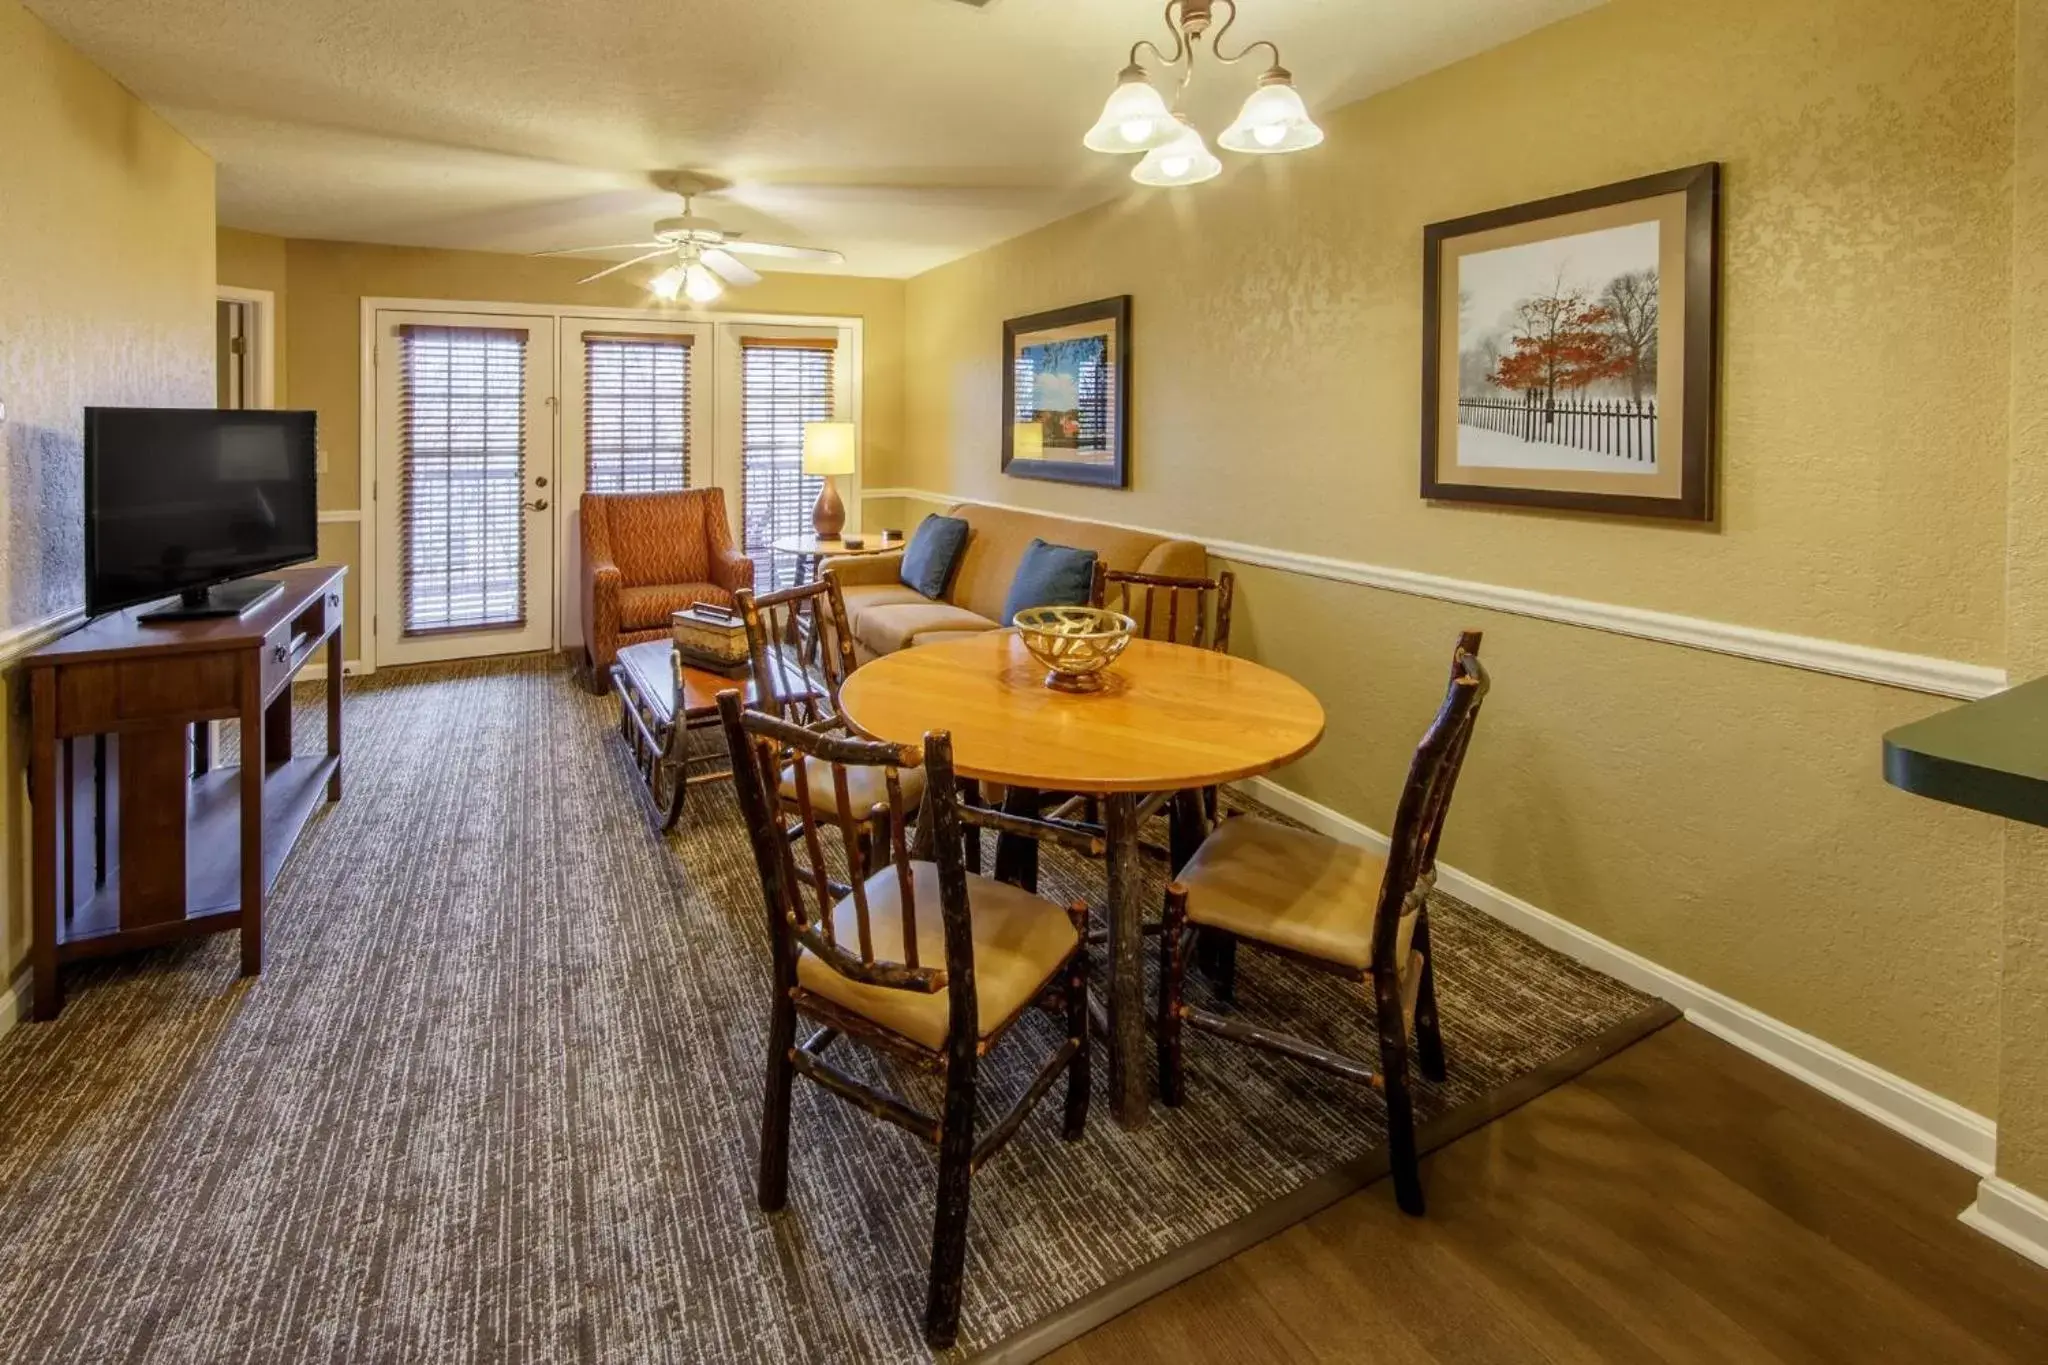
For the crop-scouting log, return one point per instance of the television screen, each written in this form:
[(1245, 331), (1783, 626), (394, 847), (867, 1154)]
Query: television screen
[(180, 499)]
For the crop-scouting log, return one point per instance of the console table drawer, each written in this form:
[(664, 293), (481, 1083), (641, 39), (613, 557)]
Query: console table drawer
[(96, 697)]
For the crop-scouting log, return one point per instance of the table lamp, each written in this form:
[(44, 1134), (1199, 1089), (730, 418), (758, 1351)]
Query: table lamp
[(828, 450), (1027, 440)]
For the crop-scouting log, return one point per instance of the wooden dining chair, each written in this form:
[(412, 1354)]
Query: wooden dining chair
[(1182, 611), (1336, 907), (801, 650), (920, 959), (1178, 610)]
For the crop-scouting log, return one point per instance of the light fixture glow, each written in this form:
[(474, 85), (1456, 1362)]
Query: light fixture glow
[(667, 285), (1186, 160), (700, 284), (1273, 119), (1134, 118)]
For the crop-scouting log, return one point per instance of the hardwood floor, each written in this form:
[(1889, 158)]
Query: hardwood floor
[(1680, 1202)]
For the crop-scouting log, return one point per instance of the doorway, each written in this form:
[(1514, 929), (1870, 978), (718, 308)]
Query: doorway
[(464, 485)]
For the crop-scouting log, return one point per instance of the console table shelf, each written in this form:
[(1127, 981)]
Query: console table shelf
[(139, 839)]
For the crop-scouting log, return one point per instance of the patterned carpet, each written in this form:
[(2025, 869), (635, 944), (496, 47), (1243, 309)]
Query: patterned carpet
[(496, 1096)]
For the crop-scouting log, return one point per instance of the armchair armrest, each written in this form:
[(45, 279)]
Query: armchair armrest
[(731, 570), (866, 570), (1083, 839)]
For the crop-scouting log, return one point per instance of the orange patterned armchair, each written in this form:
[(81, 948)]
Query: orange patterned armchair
[(646, 555)]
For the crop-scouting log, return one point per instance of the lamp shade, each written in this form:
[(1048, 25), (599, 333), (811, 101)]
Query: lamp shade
[(1134, 118), (1186, 160), (1273, 120), (828, 448)]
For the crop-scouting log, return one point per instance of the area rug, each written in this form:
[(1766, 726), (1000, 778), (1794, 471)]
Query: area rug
[(496, 1095)]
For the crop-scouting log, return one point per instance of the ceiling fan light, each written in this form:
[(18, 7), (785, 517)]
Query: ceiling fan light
[(667, 285), (1134, 118), (1273, 119), (1186, 160), (700, 284)]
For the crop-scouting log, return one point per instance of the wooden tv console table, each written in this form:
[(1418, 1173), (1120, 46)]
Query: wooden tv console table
[(139, 840)]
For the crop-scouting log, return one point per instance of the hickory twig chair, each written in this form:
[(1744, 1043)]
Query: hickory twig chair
[(1337, 908), (801, 651), (920, 959), (1196, 610)]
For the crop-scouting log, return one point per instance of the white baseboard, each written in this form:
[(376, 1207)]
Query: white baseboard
[(14, 1002), (2010, 1216), (1940, 1125), (350, 668)]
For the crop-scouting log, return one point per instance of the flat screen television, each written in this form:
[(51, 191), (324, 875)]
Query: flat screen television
[(191, 501)]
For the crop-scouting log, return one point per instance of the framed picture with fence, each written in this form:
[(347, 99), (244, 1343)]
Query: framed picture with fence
[(1569, 348), (1067, 394)]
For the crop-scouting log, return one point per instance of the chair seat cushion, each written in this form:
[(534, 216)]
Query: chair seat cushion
[(888, 628), (649, 608), (1020, 941), (1290, 888), (866, 788)]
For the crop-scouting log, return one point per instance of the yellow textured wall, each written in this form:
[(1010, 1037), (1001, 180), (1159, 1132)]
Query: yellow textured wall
[(252, 260), (2023, 1081), (106, 297), (1725, 818), (326, 283)]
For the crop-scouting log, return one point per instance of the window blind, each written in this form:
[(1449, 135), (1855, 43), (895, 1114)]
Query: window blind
[(636, 413), (784, 383), (462, 432)]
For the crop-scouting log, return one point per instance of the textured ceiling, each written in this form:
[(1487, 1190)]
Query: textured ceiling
[(902, 132)]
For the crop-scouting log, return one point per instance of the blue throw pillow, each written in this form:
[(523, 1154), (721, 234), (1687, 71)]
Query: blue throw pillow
[(933, 551), (1050, 576)]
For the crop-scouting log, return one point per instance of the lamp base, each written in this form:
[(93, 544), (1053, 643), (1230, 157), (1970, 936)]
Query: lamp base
[(828, 518)]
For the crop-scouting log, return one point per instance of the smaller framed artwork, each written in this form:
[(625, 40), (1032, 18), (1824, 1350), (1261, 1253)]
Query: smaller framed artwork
[(1568, 352), (1067, 394)]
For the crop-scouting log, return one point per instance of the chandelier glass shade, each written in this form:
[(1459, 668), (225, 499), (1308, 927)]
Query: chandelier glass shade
[(1137, 118), (1186, 160)]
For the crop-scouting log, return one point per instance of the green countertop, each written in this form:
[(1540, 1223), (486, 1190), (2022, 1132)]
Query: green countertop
[(1989, 755)]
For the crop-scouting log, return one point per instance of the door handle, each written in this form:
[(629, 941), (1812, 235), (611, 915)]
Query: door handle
[(539, 504)]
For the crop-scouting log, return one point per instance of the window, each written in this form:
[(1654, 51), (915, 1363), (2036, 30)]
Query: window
[(636, 413), (462, 434), (784, 383)]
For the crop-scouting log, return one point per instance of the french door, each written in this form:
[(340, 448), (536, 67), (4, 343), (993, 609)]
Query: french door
[(465, 493), (636, 404)]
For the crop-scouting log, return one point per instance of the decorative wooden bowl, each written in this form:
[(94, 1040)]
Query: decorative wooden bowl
[(1077, 644)]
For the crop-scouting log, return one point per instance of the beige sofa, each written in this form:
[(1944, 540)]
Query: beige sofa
[(887, 616)]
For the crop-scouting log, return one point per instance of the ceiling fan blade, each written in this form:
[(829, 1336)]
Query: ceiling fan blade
[(588, 279), (727, 268), (790, 253), (573, 250)]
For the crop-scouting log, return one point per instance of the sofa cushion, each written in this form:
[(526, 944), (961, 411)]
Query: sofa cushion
[(1050, 576), (887, 628), (650, 608), (933, 551)]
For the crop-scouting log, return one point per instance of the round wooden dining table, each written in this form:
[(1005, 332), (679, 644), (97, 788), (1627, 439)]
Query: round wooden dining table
[(1169, 719)]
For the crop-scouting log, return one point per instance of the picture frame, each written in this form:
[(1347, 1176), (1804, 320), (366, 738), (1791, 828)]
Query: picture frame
[(1570, 350), (1066, 412)]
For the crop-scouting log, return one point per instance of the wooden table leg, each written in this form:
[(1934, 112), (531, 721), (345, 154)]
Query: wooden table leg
[(1187, 825), (1017, 856), (253, 730), (42, 775), (1129, 1088), (334, 713)]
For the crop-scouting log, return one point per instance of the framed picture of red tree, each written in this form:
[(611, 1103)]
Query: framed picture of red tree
[(1568, 355)]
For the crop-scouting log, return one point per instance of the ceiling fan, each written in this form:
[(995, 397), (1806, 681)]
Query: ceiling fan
[(705, 256)]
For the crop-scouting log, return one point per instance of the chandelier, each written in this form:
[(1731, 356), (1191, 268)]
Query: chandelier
[(1136, 117)]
